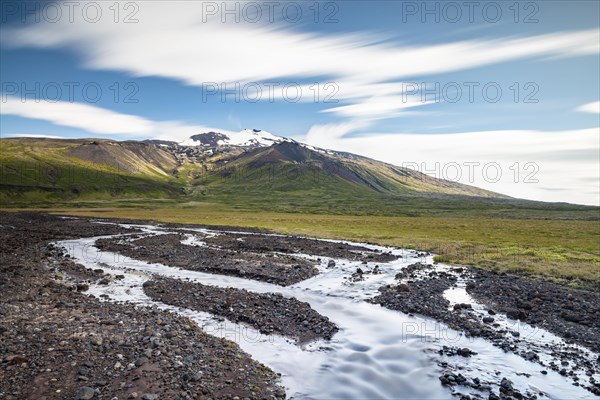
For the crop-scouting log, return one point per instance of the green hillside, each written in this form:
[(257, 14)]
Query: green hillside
[(39, 171), (285, 177)]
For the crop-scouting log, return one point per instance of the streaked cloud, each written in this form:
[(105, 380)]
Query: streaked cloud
[(97, 120), (11, 135), (365, 67), (593, 107), (77, 115)]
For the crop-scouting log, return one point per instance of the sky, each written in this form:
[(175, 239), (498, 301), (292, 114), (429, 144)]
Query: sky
[(503, 95)]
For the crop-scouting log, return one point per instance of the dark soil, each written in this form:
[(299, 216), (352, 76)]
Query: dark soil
[(57, 343), (269, 313), (167, 249), (570, 313), (290, 244)]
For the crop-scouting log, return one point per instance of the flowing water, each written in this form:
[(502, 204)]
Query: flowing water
[(377, 353)]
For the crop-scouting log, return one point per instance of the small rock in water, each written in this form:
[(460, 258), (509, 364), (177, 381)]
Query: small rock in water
[(331, 264), (462, 306), (531, 356), (82, 287), (488, 320), (465, 352), (506, 384)]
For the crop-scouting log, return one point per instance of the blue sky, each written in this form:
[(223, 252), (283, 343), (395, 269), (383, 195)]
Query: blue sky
[(509, 82)]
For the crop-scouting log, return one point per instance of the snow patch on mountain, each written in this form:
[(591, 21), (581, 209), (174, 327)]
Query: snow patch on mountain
[(246, 138)]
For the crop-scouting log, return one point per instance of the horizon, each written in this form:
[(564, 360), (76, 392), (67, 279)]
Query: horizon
[(505, 99)]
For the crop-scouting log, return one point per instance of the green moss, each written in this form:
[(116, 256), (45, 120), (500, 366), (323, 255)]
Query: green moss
[(441, 259)]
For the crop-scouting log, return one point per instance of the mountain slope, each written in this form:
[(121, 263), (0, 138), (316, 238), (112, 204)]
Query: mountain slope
[(289, 165), (251, 163), (46, 170), (133, 157)]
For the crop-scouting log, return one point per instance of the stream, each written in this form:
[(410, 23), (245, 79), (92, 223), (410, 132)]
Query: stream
[(377, 353)]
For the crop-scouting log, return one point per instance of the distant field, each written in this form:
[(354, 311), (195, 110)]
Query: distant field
[(566, 250)]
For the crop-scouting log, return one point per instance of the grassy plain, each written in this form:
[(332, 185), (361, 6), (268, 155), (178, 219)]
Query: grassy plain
[(566, 250)]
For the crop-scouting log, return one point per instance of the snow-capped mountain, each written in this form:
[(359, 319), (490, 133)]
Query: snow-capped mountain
[(207, 160), (245, 138)]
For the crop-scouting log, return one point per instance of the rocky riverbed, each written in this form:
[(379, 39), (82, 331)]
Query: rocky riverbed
[(571, 314), (58, 343), (113, 309), (291, 244)]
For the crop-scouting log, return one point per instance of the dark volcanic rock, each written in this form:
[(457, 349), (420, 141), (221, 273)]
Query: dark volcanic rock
[(573, 315), (85, 393), (269, 313), (168, 250), (290, 244), (47, 327), (570, 313)]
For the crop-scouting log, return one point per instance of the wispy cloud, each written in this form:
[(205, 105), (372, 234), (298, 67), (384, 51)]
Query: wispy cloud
[(593, 107), (97, 120), (325, 135), (11, 135), (77, 115), (365, 67)]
